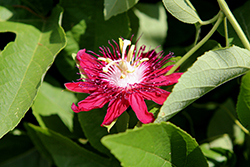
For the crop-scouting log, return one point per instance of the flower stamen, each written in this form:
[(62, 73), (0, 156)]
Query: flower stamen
[(125, 66)]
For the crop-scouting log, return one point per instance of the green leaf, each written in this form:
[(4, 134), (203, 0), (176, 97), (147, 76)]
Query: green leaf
[(5, 14), (24, 62), (97, 31), (152, 25), (155, 145), (209, 71), (52, 100), (91, 124), (181, 10), (243, 104), (17, 150), (219, 152), (38, 143), (115, 7), (65, 152)]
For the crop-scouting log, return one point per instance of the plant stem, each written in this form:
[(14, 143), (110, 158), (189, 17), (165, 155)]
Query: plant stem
[(211, 20), (196, 47), (226, 32), (224, 7), (234, 119)]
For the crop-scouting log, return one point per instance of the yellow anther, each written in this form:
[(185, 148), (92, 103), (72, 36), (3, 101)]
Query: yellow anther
[(130, 53), (122, 76), (142, 60), (108, 60), (121, 43)]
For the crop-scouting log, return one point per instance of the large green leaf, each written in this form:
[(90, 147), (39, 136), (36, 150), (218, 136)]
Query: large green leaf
[(65, 152), (209, 71), (155, 145), (114, 7), (181, 10), (152, 25), (24, 62), (243, 104), (52, 100)]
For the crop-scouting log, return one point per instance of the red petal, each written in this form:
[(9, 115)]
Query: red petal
[(157, 96), (93, 101), (75, 108), (166, 80), (79, 87), (85, 59), (87, 63), (140, 108), (162, 71), (115, 109)]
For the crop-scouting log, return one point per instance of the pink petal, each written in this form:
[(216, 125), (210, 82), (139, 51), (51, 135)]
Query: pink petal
[(79, 87), (85, 59), (166, 80), (88, 64), (157, 96), (93, 101), (115, 109), (140, 108)]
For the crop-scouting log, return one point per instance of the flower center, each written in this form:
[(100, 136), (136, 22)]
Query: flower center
[(126, 66), (124, 72)]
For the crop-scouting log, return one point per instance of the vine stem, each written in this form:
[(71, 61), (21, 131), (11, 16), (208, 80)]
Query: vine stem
[(237, 122), (224, 7), (226, 32), (196, 47)]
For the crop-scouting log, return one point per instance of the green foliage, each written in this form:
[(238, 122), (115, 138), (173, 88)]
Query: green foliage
[(51, 101), (24, 62), (155, 145), (60, 148), (243, 105), (114, 7), (152, 25), (181, 10), (209, 71)]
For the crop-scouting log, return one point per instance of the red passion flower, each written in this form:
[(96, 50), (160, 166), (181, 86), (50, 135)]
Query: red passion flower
[(123, 78)]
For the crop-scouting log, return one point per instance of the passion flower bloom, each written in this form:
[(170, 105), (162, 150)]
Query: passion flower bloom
[(122, 78)]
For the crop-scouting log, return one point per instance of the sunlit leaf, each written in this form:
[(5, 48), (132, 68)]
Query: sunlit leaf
[(114, 7), (219, 151), (181, 10), (24, 62), (152, 25), (209, 71), (155, 145), (54, 101)]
